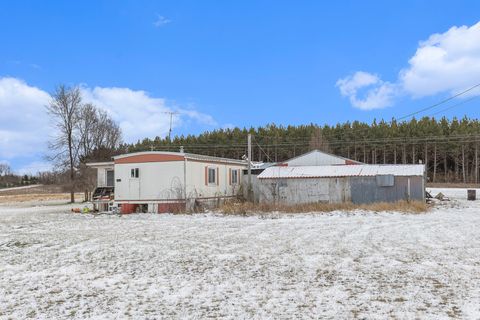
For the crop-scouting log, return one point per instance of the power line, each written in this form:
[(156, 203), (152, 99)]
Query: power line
[(416, 112), (358, 143), (365, 127), (455, 105), (265, 153), (292, 142), (439, 103)]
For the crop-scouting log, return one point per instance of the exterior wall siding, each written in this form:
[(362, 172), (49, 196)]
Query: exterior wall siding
[(197, 182), (160, 181), (101, 177), (296, 191), (358, 190), (156, 181), (365, 190)]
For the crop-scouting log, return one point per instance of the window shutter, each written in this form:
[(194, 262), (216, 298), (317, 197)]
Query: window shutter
[(218, 177), (206, 175), (230, 176)]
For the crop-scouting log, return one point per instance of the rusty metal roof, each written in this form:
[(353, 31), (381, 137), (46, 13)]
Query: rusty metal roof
[(366, 170), (191, 156)]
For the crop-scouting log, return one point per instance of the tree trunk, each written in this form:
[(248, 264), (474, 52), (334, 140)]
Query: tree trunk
[(463, 164), (476, 163), (455, 160), (445, 166), (404, 154), (435, 164), (395, 155), (425, 158), (276, 153), (72, 172)]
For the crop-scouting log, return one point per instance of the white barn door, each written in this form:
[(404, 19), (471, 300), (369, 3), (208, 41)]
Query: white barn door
[(134, 189)]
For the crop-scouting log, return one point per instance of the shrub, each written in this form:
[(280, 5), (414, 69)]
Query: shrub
[(236, 207)]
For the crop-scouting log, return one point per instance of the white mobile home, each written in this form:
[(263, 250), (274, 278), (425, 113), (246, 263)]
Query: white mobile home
[(165, 181)]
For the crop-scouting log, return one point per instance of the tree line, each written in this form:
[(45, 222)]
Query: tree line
[(9, 179), (448, 147)]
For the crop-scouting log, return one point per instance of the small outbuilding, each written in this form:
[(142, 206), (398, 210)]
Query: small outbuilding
[(359, 183), (311, 158)]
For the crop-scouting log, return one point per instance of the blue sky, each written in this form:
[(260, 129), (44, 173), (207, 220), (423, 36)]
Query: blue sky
[(230, 63)]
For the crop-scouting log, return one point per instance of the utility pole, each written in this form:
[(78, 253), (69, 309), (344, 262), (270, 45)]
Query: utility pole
[(171, 113), (249, 191)]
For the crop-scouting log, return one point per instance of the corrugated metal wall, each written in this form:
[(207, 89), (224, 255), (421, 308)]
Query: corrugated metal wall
[(359, 190), (367, 190)]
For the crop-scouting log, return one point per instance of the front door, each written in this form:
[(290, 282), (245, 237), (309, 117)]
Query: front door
[(110, 178)]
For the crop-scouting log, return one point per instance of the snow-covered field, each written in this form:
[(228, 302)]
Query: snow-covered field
[(56, 264)]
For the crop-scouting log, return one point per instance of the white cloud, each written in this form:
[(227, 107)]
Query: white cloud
[(140, 115), (199, 117), (378, 94), (25, 127), (446, 62), (161, 21), (23, 121)]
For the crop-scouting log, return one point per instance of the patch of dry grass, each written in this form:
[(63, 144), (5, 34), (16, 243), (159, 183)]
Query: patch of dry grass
[(39, 197), (248, 208), (36, 189)]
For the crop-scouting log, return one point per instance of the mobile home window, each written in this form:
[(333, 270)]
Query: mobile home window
[(134, 173), (212, 175), (235, 176)]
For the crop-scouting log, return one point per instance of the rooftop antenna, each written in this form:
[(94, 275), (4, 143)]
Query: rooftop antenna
[(171, 113)]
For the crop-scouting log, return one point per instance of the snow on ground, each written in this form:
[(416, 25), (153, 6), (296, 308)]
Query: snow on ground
[(56, 264)]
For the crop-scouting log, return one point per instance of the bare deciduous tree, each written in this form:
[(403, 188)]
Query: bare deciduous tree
[(64, 109), (80, 130), (4, 169), (97, 130), (88, 123), (100, 137)]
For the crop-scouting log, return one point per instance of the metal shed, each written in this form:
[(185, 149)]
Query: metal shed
[(358, 184)]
